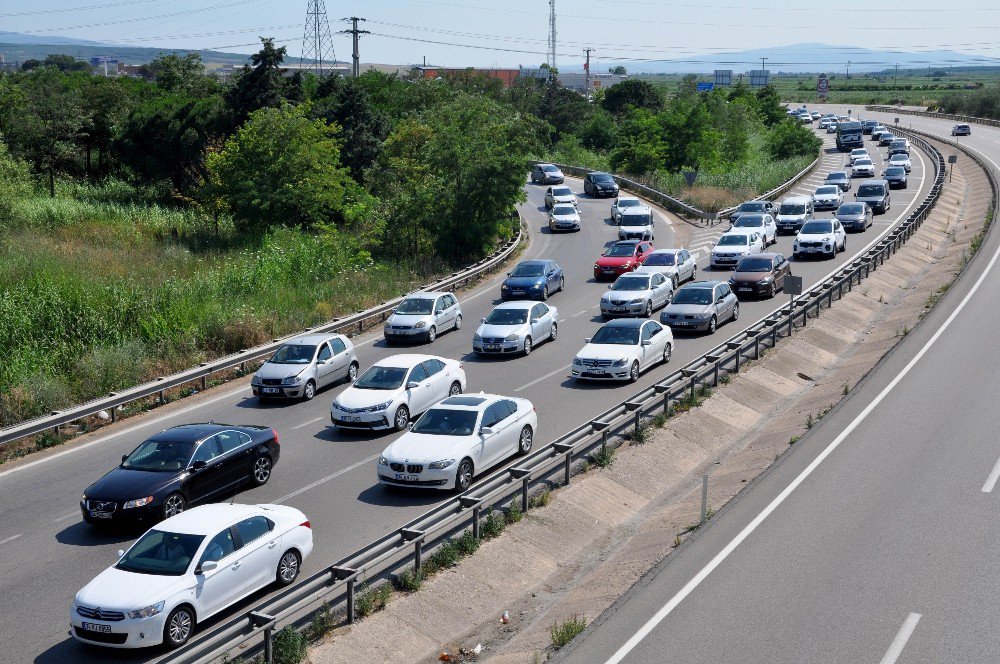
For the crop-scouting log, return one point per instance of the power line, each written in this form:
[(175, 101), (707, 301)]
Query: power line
[(102, 24), (63, 10)]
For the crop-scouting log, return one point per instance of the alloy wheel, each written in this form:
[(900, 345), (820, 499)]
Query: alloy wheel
[(456, 388), (173, 505), (179, 626), (261, 470), (527, 345), (667, 350), (352, 372), (288, 567), (458, 322), (402, 418), (525, 441), (463, 479), (554, 332), (431, 334), (633, 374), (309, 391)]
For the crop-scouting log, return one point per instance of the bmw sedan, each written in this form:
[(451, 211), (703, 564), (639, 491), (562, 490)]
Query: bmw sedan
[(516, 327), (622, 350), (178, 467), (535, 279), (396, 389), (457, 439), (187, 569), (304, 365), (636, 294), (702, 305)]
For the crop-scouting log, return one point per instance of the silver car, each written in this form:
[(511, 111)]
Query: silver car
[(702, 305), (637, 294), (854, 216), (422, 316), (559, 194), (675, 264), (516, 327), (305, 364)]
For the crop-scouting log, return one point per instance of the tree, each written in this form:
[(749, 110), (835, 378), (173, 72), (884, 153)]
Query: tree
[(599, 131), (635, 93), (58, 61), (618, 70), (281, 168), (176, 74), (791, 139), (769, 106), (15, 181), (347, 103), (259, 84)]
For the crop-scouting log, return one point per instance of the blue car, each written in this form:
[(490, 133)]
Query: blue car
[(531, 280)]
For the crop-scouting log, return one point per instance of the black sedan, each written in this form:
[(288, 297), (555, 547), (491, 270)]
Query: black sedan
[(178, 467), (599, 184)]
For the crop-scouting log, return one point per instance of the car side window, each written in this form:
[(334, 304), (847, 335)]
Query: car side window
[(449, 301), (417, 374), (432, 367), (439, 306), (254, 528), (658, 279), (647, 332), (724, 290), (230, 440), (509, 407), (539, 310), (219, 547), (208, 450), (491, 417), (324, 353), (338, 346)]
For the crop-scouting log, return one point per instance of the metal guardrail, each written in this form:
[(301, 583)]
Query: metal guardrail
[(352, 324), (336, 585), (930, 114)]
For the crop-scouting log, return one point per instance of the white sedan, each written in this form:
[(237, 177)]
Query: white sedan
[(760, 223), (900, 159), (820, 236), (622, 349), (457, 439), (731, 247), (828, 197), (863, 168), (188, 568), (623, 203), (516, 327), (637, 294), (564, 217), (396, 389), (675, 264)]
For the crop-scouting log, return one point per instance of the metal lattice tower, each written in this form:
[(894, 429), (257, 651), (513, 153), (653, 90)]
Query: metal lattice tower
[(317, 42), (551, 56)]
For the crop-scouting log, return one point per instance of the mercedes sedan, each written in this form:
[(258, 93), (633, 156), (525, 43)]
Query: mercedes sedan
[(516, 327), (622, 350)]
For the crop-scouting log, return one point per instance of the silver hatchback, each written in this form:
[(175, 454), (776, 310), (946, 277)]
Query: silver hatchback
[(305, 364), (422, 316)]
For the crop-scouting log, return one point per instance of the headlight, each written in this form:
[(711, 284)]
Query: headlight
[(476, 339), (576, 360), (766, 280), (138, 502), (377, 407), (638, 300), (336, 404), (255, 380), (619, 363), (512, 337), (536, 286), (438, 465), (627, 264), (382, 461), (146, 611), (291, 380), (504, 286), (420, 325)]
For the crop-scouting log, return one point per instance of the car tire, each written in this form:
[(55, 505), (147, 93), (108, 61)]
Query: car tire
[(288, 568), (178, 627), (649, 309), (554, 331), (458, 323), (713, 325), (463, 476), (309, 391), (736, 312), (668, 350), (525, 440), (432, 334), (562, 284), (545, 293), (173, 505), (633, 372), (673, 281), (401, 418), (261, 471), (772, 291), (527, 346), (455, 389), (352, 372)]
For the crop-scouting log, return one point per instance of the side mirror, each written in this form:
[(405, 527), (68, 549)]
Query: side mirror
[(208, 566), (647, 342), (485, 431), (482, 320), (199, 464), (534, 320), (124, 456), (587, 340), (412, 384), (121, 552), (722, 298)]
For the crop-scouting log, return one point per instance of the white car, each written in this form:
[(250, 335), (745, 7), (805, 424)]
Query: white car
[(395, 390), (675, 264), (858, 153), (564, 217), (828, 197), (820, 236), (422, 316), (832, 127), (559, 194), (762, 224), (188, 568), (901, 159), (516, 327), (622, 349), (863, 168), (457, 439), (825, 122), (637, 294), (623, 203), (731, 247)]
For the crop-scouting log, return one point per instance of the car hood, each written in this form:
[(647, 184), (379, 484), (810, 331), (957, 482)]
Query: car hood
[(614, 261), (749, 277), (814, 237), (568, 198), (121, 484), (825, 197), (566, 217), (275, 370), (523, 282), (123, 591), (489, 330), (625, 296), (851, 217), (662, 269), (425, 448), (687, 309), (354, 397), (606, 351), (790, 217), (408, 319), (730, 250)]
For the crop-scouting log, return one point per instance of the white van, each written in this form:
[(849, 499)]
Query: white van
[(793, 212)]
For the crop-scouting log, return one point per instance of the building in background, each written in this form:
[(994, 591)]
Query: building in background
[(507, 76)]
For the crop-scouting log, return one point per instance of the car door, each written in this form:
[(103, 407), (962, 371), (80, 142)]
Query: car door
[(729, 301), (259, 552), (220, 587), (237, 457), (503, 443), (552, 276), (420, 396), (838, 229), (658, 336), (770, 228), (537, 322), (325, 373), (492, 443), (644, 249), (689, 263), (661, 289), (341, 361), (203, 482), (646, 353), (437, 380)]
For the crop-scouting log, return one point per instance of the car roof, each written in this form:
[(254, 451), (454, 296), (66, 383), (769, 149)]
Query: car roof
[(426, 296), (770, 255), (629, 198), (406, 360), (465, 401), (599, 173), (631, 242), (626, 322), (191, 433), (516, 304), (839, 174), (544, 165), (207, 519), (874, 181), (702, 284), (311, 338), (534, 261), (665, 251), (797, 199)]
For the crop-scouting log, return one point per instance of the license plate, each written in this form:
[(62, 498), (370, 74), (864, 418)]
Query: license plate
[(618, 310), (811, 250), (680, 323), (491, 347), (745, 288), (351, 418), (518, 292), (596, 371), (100, 515), (269, 390), (407, 478), (91, 627), (609, 271)]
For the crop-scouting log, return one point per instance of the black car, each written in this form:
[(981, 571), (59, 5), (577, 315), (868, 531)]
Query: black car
[(599, 184), (868, 125), (178, 467)]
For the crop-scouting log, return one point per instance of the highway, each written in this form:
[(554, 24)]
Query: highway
[(876, 541), (49, 553)]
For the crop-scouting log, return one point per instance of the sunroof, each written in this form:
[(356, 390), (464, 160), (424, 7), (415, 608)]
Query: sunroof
[(463, 401)]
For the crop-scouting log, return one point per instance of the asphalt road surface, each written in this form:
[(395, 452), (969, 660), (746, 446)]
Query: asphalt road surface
[(48, 553), (876, 541)]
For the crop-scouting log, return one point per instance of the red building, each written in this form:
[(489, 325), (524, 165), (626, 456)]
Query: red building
[(506, 75)]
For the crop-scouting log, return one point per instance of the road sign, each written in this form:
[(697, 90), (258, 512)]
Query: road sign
[(793, 285), (723, 78), (822, 86), (897, 121), (953, 159), (759, 78), (706, 87), (689, 177)]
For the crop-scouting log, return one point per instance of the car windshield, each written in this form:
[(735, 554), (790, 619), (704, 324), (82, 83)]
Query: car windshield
[(734, 240), (899, 143), (549, 168), (561, 210), (417, 306), (839, 175), (792, 208), (603, 178), (817, 227), (616, 335), (294, 354), (827, 190), (693, 296), (381, 378), (636, 220), (863, 162), (631, 284), (857, 152), (562, 191), (749, 221), (895, 170), (507, 317), (620, 250), (528, 270), (159, 456), (446, 422), (751, 207), (898, 157), (851, 208), (161, 553), (754, 265), (660, 259), (629, 202), (870, 190), (961, 126)]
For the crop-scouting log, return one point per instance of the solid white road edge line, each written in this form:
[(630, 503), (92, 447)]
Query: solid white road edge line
[(759, 519), (991, 481), (902, 636)]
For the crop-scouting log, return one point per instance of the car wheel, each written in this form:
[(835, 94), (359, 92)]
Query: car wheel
[(432, 334), (673, 281), (667, 351), (525, 441), (288, 568), (527, 346), (179, 627), (458, 322), (261, 470), (463, 477), (554, 332), (633, 374), (562, 284), (694, 273), (649, 309), (772, 291), (736, 312), (173, 505), (352, 372), (713, 325), (545, 293), (401, 418), (455, 389), (309, 391)]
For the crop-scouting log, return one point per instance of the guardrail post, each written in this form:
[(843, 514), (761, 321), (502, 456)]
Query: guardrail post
[(267, 622), (476, 505), (567, 451), (638, 420), (694, 382), (349, 573), (715, 375), (114, 414), (791, 324), (417, 537), (666, 402), (805, 316), (161, 397), (204, 383), (524, 475), (704, 499), (756, 347), (774, 336)]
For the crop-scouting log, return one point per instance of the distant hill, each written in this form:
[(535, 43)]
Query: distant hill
[(17, 47), (21, 38)]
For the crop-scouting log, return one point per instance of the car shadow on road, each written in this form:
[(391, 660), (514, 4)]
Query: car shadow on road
[(69, 650), (332, 434), (85, 534), (391, 496), (267, 404)]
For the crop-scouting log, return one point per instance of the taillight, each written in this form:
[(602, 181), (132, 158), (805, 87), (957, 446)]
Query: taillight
[(275, 434), (306, 524)]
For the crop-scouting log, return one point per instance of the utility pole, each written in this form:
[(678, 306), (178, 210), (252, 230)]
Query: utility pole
[(586, 70), (762, 61), (317, 44), (551, 58), (848, 70), (896, 75), (356, 34)]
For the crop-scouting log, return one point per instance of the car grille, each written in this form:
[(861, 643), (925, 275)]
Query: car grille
[(270, 381), (351, 410), (100, 614), (100, 637), (401, 327), (811, 244), (407, 468), (618, 303), (101, 505), (680, 317), (492, 340), (597, 363)]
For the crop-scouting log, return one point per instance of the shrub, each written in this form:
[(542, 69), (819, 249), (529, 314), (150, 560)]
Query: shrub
[(322, 623), (467, 544), (289, 646), (603, 456), (513, 513), (493, 525), (409, 581), (370, 600), (563, 633)]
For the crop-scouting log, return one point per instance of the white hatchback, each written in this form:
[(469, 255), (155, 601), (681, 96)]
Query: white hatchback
[(733, 246), (188, 568)]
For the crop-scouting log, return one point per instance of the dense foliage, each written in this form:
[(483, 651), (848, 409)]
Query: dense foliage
[(981, 103)]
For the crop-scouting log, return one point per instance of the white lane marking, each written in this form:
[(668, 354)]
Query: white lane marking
[(902, 636), (318, 482), (65, 516), (538, 380), (9, 539), (305, 424), (127, 430), (702, 574), (991, 481)]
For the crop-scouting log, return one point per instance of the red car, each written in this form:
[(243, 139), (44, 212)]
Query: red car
[(621, 257)]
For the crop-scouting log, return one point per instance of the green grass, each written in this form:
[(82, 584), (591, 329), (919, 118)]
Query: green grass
[(564, 632)]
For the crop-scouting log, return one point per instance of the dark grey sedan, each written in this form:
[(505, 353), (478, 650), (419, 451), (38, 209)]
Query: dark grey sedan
[(702, 306), (854, 216), (839, 178), (895, 176)]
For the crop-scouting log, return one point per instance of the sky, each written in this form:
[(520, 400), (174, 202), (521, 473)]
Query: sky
[(514, 32)]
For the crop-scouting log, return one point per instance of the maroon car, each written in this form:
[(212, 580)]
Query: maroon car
[(760, 275)]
